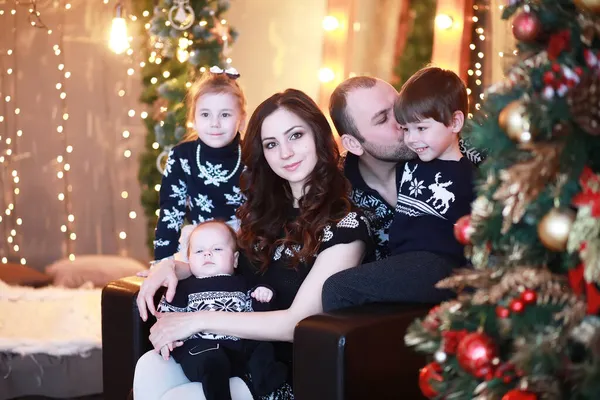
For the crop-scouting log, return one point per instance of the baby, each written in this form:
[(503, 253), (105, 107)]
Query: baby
[(206, 357)]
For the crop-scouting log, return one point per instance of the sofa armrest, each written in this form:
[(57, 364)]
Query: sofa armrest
[(124, 336), (357, 353)]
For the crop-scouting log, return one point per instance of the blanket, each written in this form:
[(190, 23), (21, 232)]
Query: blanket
[(49, 320)]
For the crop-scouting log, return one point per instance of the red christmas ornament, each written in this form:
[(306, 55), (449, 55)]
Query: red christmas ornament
[(463, 230), (475, 353), (428, 373), (526, 27), (529, 296), (517, 394), (517, 305), (549, 77), (502, 312)]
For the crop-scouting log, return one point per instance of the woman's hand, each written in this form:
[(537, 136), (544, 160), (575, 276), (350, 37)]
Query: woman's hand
[(163, 274), (172, 327), (166, 351)]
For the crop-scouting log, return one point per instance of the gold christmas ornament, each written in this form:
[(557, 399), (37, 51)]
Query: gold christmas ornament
[(590, 5), (554, 228), (515, 121)]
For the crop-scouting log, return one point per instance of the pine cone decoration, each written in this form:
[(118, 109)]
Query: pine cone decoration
[(584, 102)]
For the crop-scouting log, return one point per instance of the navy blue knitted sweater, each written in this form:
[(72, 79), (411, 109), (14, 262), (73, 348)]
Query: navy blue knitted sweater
[(200, 183)]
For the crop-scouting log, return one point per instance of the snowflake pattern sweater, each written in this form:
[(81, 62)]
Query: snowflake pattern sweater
[(432, 196), (228, 293), (379, 213), (199, 183)]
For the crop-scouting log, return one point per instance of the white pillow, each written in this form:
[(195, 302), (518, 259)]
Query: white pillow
[(98, 269)]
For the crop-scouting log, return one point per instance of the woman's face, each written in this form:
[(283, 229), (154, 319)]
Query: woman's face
[(289, 147)]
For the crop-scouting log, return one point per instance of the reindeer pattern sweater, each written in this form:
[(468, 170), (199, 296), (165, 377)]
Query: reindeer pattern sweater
[(432, 196)]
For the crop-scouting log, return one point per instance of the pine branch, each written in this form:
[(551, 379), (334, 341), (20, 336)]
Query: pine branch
[(525, 180)]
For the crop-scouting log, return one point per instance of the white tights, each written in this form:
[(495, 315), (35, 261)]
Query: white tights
[(157, 379)]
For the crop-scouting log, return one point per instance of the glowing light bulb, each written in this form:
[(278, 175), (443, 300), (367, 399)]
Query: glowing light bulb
[(118, 41), (444, 21), (326, 75), (330, 23)]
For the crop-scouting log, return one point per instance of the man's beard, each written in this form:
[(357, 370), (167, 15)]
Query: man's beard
[(399, 153)]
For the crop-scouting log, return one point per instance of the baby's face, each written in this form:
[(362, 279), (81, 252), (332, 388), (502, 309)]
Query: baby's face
[(212, 251)]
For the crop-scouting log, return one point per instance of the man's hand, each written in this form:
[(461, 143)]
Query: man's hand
[(262, 294)]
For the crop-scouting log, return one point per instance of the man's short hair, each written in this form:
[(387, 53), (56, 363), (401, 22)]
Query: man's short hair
[(431, 92), (338, 105)]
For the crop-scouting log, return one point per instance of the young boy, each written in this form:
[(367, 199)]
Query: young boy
[(436, 190), (211, 250)]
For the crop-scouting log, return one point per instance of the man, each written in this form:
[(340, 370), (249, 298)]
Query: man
[(362, 111)]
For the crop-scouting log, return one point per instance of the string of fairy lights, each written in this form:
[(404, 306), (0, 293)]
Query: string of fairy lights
[(131, 67), (10, 135), (475, 73), (119, 43), (63, 158)]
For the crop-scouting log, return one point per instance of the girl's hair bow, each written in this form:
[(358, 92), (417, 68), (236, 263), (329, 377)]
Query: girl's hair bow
[(230, 72)]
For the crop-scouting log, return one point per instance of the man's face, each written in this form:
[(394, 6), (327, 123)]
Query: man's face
[(372, 110)]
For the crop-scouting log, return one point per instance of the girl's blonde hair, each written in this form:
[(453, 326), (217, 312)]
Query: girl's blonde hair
[(210, 83)]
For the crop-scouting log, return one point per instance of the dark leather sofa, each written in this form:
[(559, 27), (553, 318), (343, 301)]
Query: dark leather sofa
[(350, 354)]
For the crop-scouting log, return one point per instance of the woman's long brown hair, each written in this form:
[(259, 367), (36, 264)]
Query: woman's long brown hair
[(265, 215)]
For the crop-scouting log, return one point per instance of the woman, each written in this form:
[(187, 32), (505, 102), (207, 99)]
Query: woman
[(297, 228)]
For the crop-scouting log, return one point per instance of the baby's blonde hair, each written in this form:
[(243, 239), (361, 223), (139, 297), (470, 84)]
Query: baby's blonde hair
[(212, 221), (210, 83)]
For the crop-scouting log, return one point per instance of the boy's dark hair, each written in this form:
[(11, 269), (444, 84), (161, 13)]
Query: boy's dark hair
[(343, 122), (431, 92)]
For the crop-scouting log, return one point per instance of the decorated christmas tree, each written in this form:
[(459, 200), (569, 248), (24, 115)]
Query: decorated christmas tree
[(525, 321), (185, 38)]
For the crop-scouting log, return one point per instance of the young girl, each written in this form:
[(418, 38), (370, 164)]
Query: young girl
[(297, 227), (201, 178)]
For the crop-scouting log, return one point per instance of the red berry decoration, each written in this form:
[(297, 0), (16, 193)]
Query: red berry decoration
[(463, 230), (549, 77), (556, 67), (529, 296), (517, 394), (475, 353), (428, 373), (502, 312), (526, 27), (517, 305)]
